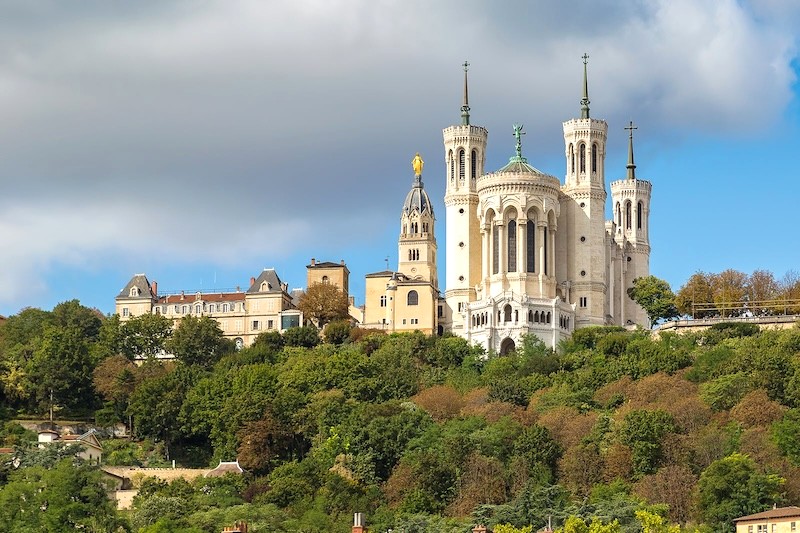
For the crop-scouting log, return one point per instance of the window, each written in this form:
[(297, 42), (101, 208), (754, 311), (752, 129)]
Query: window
[(224, 308), (125, 311), (255, 325), (270, 324), (134, 291), (290, 321), (461, 163), (507, 313), (415, 320), (238, 325), (404, 321), (794, 526), (452, 166), (325, 280), (413, 298), (184, 309), (583, 301), (594, 157), (383, 301), (177, 309), (440, 311), (582, 150), (157, 310), (530, 253), (571, 159), (512, 246), (639, 215), (619, 215), (198, 309), (545, 253), (474, 165), (628, 215)]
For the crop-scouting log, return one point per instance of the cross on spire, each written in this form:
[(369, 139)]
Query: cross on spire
[(465, 105), (631, 166), (518, 133), (585, 99)]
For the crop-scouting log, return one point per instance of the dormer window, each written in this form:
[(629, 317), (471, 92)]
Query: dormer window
[(264, 286), (134, 291)]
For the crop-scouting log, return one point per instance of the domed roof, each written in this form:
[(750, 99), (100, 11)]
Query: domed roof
[(417, 199), (519, 165)]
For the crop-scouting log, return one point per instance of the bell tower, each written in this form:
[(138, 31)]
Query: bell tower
[(417, 243), (630, 198), (465, 155), (583, 208)]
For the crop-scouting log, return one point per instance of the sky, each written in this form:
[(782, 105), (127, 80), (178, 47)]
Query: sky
[(200, 141)]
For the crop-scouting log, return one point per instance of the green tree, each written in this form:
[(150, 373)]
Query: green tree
[(144, 336), (643, 431), (323, 302), (337, 332), (655, 296), (786, 434), (302, 336), (198, 341), (733, 487), (59, 499)]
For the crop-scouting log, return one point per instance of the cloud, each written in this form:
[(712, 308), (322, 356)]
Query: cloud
[(188, 127)]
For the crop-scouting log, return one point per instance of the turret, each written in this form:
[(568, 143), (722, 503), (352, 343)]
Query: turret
[(417, 243), (465, 153)]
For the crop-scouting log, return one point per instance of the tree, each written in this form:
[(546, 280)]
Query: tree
[(643, 431), (729, 286), (198, 341), (302, 336), (144, 336), (761, 286), (696, 291), (323, 303), (733, 487), (655, 296)]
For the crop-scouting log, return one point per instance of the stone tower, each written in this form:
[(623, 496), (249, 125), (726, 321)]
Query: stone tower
[(582, 252), (630, 199), (417, 243), (465, 154)]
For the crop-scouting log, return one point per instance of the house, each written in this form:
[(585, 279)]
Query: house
[(776, 520), (91, 449)]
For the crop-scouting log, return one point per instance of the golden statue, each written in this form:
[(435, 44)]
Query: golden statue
[(417, 163)]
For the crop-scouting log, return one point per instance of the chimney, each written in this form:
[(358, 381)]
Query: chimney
[(342, 262), (358, 523), (252, 281), (154, 288), (183, 296), (313, 261)]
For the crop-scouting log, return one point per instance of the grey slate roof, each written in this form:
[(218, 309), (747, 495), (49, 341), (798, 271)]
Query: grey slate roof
[(140, 282), (273, 282), (417, 199)]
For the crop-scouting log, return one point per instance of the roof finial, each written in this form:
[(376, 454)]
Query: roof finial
[(465, 106), (631, 167), (518, 133), (585, 99)]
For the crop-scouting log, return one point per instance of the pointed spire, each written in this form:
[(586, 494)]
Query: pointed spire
[(585, 99), (465, 106), (630, 166)]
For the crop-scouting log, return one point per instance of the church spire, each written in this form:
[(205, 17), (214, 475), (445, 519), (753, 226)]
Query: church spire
[(630, 166), (465, 106), (585, 99)]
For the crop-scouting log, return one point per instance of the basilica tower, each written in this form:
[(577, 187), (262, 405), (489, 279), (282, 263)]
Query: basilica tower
[(417, 243), (582, 253), (465, 154), (630, 198)]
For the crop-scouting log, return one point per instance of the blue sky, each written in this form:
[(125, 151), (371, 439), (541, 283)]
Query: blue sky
[(201, 141)]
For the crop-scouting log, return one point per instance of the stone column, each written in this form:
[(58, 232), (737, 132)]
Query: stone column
[(522, 239), (502, 248), (542, 228), (551, 252)]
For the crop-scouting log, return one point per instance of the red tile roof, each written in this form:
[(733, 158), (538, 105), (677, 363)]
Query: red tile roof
[(780, 512), (210, 297)]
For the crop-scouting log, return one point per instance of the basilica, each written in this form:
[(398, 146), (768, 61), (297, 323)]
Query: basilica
[(525, 253)]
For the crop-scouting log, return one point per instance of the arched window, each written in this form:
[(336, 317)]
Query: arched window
[(512, 246), (452, 167), (413, 298), (536, 316), (594, 157), (582, 150), (619, 215), (530, 315), (198, 309), (628, 215), (516, 315), (474, 165), (325, 280), (424, 227), (507, 313), (224, 308), (571, 159), (185, 309), (495, 250), (530, 246), (134, 291), (548, 318), (639, 215), (461, 164)]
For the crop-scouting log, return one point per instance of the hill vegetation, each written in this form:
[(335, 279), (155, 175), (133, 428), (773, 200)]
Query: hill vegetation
[(615, 431)]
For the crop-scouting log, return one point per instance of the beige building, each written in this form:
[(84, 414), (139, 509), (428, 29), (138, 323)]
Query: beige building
[(242, 315), (525, 253), (778, 520)]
